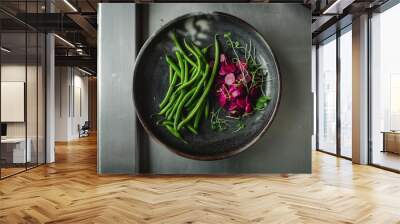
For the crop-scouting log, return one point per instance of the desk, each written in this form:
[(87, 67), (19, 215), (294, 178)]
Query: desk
[(391, 142), (13, 150)]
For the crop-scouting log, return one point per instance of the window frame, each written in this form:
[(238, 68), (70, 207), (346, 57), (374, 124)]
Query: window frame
[(337, 35)]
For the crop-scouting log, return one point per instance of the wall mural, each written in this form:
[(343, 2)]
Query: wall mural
[(206, 85), (198, 90)]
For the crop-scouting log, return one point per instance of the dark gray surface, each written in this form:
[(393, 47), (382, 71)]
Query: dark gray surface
[(286, 146), (116, 121), (150, 82)]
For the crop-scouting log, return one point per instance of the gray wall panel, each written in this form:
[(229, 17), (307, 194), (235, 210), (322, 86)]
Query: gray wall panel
[(116, 115)]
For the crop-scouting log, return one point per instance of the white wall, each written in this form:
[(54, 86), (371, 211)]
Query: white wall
[(69, 82), (9, 73), (17, 73), (62, 81), (79, 117), (12, 100)]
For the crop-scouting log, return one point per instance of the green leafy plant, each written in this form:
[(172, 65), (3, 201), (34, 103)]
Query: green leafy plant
[(262, 102)]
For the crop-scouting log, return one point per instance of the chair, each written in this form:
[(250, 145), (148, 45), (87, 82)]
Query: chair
[(84, 130)]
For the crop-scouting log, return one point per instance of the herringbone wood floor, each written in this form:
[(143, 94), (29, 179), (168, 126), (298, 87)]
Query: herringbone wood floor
[(70, 191)]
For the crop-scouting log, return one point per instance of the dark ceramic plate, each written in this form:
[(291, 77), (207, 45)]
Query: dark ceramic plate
[(151, 81)]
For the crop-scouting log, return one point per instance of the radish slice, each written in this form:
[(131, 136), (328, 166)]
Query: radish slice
[(222, 58), (241, 103), (248, 108), (229, 79), (222, 99)]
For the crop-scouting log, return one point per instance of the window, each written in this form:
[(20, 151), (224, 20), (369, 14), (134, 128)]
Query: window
[(327, 95), (346, 92), (385, 88), (334, 65)]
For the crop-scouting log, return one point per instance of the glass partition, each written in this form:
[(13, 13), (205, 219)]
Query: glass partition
[(14, 153), (22, 89)]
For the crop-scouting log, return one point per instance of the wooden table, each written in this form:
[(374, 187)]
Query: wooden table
[(391, 141)]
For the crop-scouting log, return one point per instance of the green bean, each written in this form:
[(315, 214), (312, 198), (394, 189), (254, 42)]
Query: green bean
[(208, 87), (190, 107), (198, 58), (199, 84), (178, 110), (169, 110), (171, 107), (169, 115), (180, 62), (174, 66), (192, 70), (171, 74), (205, 50), (169, 92), (176, 104), (207, 109), (200, 53), (192, 80), (186, 73), (180, 107), (168, 123), (174, 107), (174, 132), (191, 129), (168, 106), (198, 117), (181, 50)]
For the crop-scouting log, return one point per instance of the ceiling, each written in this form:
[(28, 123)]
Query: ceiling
[(75, 23)]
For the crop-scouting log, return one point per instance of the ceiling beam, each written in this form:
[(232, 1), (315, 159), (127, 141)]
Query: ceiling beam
[(83, 61), (48, 22), (79, 19), (84, 24), (337, 7)]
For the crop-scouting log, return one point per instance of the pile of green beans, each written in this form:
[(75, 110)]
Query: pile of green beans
[(186, 101)]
